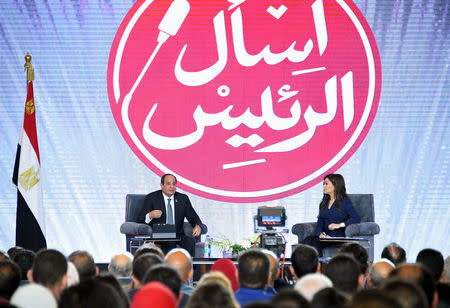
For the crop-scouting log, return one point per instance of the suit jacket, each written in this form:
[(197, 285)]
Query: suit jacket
[(181, 204)]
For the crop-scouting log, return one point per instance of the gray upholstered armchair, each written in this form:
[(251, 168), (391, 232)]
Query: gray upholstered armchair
[(131, 228), (364, 205)]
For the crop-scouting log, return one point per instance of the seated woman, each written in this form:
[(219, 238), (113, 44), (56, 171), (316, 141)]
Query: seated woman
[(336, 211)]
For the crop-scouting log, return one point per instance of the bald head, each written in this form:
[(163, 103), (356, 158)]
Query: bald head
[(121, 265), (379, 272), (273, 265), (181, 260)]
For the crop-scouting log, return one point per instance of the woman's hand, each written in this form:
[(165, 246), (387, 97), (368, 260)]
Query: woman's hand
[(323, 234), (336, 226)]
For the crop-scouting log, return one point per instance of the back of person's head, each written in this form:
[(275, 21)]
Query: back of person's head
[(344, 272), (149, 247), (274, 270), (394, 253), (24, 259), (154, 294), (253, 269), (165, 274), (373, 298), (91, 293), (379, 272), (360, 254), (143, 263), (212, 294), (3, 256), (304, 260), (310, 284), (418, 274), (111, 280), (49, 267), (433, 260), (73, 277), (33, 295), (13, 250), (84, 262), (329, 298), (289, 298), (229, 269), (121, 265), (406, 292), (180, 259), (446, 277), (215, 276), (9, 278)]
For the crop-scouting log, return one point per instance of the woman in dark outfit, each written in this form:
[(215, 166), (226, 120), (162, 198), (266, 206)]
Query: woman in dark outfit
[(336, 211)]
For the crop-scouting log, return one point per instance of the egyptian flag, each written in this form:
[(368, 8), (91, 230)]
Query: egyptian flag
[(30, 219)]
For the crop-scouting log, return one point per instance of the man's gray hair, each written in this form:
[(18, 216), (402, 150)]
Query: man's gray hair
[(310, 284), (120, 269)]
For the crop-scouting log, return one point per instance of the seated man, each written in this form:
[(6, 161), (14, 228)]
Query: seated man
[(254, 276), (167, 206)]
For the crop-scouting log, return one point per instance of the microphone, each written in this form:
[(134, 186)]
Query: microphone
[(172, 20)]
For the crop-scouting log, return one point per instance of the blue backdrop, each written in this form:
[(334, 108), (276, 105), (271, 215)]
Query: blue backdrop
[(87, 168)]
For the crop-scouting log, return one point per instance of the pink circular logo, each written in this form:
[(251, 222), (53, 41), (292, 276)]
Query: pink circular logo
[(244, 100)]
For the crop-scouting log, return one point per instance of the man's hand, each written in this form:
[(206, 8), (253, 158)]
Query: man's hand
[(196, 231), (323, 234), (155, 214), (334, 226)]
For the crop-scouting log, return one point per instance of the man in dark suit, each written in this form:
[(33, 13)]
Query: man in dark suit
[(167, 206)]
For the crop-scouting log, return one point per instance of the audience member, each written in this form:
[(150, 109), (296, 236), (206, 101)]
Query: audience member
[(84, 262), (141, 265), (433, 260), (9, 279), (154, 294), (49, 270), (274, 270), (3, 256), (420, 275), (305, 260), (33, 295), (73, 277), (215, 276), (373, 298), (111, 280), (212, 294), (446, 278), (329, 298), (181, 260), (443, 290), (310, 284), (168, 276), (406, 292), (227, 267), (49, 278), (344, 271), (289, 298), (254, 276), (259, 305), (121, 265), (394, 253), (379, 272), (149, 247), (13, 250), (91, 293), (360, 254), (24, 259)]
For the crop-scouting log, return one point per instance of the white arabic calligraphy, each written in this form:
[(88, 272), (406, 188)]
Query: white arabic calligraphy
[(243, 57)]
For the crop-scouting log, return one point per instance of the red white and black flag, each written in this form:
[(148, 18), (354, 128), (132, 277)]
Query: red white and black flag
[(30, 219)]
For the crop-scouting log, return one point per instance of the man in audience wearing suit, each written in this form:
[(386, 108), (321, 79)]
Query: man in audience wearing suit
[(167, 206)]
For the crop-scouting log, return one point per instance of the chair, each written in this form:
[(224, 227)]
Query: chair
[(131, 228), (364, 205)]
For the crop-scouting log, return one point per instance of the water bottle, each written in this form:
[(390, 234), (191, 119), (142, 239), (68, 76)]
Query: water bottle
[(207, 252)]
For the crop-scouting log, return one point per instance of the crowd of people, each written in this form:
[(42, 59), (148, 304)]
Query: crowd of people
[(150, 278)]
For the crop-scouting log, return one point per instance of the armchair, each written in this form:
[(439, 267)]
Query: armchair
[(131, 228), (364, 205)]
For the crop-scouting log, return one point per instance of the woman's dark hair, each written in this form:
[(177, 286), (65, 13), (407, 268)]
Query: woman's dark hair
[(339, 189)]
